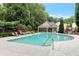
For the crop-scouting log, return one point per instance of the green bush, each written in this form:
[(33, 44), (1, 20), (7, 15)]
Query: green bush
[(11, 24), (61, 26), (5, 34), (2, 24), (22, 27), (29, 27)]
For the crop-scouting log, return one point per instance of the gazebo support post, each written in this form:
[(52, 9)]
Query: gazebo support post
[(38, 29), (47, 30), (52, 30)]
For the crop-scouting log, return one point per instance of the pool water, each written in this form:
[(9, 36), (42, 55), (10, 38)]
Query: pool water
[(42, 39)]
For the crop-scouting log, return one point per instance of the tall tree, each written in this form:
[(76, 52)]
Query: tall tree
[(29, 14), (61, 26), (77, 15)]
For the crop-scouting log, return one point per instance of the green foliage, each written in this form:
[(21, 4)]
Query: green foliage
[(77, 15), (11, 24), (22, 27), (69, 20), (2, 24), (61, 26), (29, 28), (29, 14), (5, 34), (14, 13), (2, 13), (50, 19)]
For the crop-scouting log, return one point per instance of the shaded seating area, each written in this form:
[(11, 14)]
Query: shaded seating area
[(47, 27)]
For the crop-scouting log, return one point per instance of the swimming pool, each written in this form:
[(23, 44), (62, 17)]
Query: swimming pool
[(42, 39)]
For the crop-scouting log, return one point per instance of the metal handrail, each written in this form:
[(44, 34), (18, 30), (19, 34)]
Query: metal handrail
[(51, 44), (45, 42)]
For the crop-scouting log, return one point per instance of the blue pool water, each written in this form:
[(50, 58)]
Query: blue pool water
[(42, 39)]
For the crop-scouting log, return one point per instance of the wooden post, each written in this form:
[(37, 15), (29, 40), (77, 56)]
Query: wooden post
[(38, 29), (52, 30), (47, 30)]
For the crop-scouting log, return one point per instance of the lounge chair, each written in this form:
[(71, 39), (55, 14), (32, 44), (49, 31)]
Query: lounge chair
[(13, 34), (16, 34)]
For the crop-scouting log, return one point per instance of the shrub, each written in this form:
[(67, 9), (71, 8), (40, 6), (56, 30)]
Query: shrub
[(29, 27), (22, 27), (9, 25), (5, 34), (61, 26)]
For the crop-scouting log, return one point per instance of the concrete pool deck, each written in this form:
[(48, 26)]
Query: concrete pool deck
[(61, 48)]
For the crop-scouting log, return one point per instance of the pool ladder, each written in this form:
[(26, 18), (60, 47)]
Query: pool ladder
[(51, 44)]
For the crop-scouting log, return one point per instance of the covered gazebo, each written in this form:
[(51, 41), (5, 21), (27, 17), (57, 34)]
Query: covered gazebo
[(48, 25)]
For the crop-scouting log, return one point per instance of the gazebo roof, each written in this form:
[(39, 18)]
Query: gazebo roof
[(52, 24), (48, 25)]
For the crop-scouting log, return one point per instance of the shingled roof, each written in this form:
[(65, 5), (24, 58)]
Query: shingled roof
[(48, 25)]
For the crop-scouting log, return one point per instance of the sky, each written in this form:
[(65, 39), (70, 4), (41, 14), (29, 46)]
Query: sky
[(64, 10)]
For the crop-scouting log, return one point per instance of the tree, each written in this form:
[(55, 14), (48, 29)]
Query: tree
[(2, 13), (69, 20), (15, 12), (37, 15), (77, 15), (30, 14), (61, 26)]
